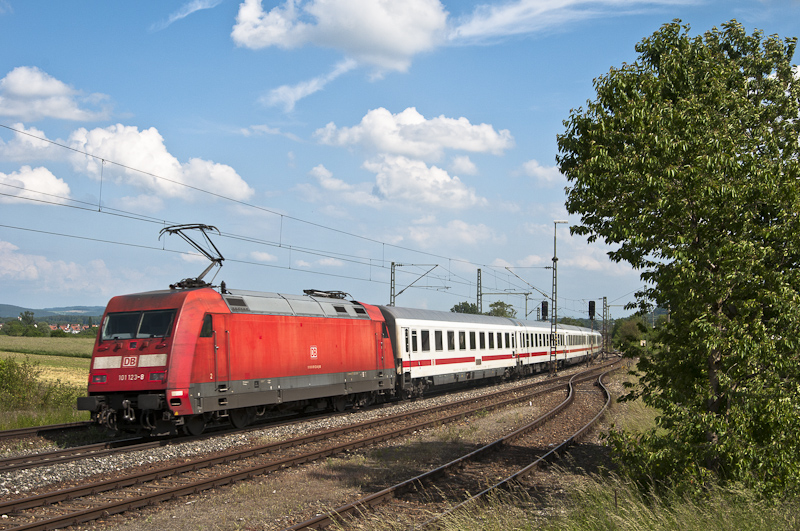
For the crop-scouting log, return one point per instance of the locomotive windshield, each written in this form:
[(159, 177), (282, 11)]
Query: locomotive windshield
[(138, 325)]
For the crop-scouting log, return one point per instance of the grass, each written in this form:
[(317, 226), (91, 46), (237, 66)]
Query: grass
[(27, 398), (611, 503), (78, 347)]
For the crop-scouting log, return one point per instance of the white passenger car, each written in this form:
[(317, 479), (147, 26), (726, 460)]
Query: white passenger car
[(435, 349)]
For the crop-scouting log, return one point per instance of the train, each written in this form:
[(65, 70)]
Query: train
[(183, 359)]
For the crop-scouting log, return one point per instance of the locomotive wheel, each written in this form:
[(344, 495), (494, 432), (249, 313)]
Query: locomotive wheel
[(194, 425), (239, 418), (339, 403)]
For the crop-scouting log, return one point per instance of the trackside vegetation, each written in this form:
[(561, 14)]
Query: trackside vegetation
[(687, 163), (27, 400)]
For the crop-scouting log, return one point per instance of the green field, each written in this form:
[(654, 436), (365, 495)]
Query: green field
[(78, 347), (70, 370), (59, 358), (42, 376)]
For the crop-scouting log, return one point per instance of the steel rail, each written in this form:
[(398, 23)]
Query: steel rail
[(38, 430), (514, 478), (377, 498)]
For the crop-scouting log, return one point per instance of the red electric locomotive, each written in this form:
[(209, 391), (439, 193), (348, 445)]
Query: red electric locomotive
[(190, 357)]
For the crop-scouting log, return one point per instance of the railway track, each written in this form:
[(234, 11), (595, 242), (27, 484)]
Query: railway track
[(105, 448), (83, 503), (41, 430), (468, 473)]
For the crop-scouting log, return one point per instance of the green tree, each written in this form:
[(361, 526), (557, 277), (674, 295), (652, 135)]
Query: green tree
[(502, 309), (465, 307), (27, 318), (13, 328), (627, 333), (687, 162)]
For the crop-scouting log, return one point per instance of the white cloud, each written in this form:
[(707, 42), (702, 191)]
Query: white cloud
[(383, 34), (545, 175), (54, 275), (413, 182), (263, 257), (33, 183), (193, 257), (28, 144), (288, 95), (519, 17), (463, 165), (184, 11), (360, 194), (142, 204), (534, 260), (456, 232), (159, 172), (410, 133), (29, 94), (330, 262)]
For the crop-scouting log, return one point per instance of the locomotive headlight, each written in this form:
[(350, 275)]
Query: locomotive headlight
[(158, 376), (99, 378)]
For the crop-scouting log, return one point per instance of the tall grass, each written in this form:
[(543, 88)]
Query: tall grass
[(28, 400), (612, 504)]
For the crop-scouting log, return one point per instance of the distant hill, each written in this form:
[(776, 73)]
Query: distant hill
[(9, 310)]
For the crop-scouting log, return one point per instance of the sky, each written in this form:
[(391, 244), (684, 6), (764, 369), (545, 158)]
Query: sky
[(323, 139)]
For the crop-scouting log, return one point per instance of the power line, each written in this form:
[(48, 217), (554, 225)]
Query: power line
[(57, 200)]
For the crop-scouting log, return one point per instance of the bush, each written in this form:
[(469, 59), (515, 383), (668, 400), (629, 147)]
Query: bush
[(18, 382), (21, 388)]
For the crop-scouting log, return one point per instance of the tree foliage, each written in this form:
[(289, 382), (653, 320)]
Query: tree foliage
[(497, 308), (687, 161), (502, 309), (465, 307)]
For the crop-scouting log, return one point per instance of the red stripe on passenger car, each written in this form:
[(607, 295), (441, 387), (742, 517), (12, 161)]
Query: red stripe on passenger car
[(498, 357), (448, 361), (417, 363)]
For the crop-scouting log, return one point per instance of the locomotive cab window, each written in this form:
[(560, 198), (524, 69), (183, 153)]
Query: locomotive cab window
[(138, 325), (208, 328)]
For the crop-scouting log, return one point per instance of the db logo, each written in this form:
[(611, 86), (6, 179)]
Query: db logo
[(313, 352), (129, 361)]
